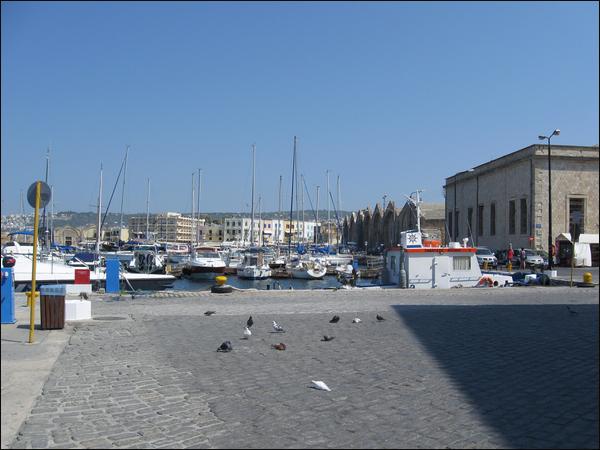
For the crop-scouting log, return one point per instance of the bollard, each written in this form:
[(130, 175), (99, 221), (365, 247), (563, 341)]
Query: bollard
[(587, 280), (221, 287)]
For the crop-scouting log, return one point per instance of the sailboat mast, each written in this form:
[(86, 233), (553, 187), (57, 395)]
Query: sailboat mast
[(252, 208), (302, 203), (123, 194), (292, 200), (279, 215), (318, 228), (148, 209), (45, 239), (259, 224), (193, 233), (198, 208), (99, 210), (328, 213), (297, 202), (339, 208)]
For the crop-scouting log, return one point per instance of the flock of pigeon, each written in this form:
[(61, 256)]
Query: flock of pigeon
[(227, 347)]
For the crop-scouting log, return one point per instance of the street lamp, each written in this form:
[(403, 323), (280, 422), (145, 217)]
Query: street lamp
[(550, 253)]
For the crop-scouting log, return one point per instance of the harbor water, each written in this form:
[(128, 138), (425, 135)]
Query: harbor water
[(328, 282)]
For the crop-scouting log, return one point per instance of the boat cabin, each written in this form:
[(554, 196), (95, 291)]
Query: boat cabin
[(423, 264)]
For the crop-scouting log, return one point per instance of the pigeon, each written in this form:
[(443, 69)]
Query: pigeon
[(278, 327), (250, 322), (83, 295), (379, 318), (209, 313), (572, 311), (356, 320), (335, 319), (247, 333), (280, 346), (320, 385), (225, 347), (328, 338)]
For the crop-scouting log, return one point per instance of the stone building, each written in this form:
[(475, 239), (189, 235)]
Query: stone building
[(379, 229), (506, 200)]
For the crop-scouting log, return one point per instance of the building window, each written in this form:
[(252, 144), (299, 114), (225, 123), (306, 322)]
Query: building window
[(470, 220), (523, 216), (450, 226), (511, 217), (480, 221), (576, 217), (461, 262), (493, 219)]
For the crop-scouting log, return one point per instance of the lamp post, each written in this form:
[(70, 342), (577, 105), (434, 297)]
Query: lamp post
[(550, 253)]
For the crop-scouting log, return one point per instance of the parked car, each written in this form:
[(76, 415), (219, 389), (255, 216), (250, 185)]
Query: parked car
[(533, 259), (484, 255)]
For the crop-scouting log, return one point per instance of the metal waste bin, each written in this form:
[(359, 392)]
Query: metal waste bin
[(52, 306)]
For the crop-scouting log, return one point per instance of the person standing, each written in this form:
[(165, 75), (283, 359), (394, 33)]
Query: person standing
[(522, 257), (510, 254)]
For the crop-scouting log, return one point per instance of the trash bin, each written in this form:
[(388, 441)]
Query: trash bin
[(52, 306)]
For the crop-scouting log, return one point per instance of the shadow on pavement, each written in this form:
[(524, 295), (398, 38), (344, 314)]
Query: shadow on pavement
[(531, 371)]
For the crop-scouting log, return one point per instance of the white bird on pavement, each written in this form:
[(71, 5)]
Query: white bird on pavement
[(320, 385), (278, 327), (247, 333), (356, 320)]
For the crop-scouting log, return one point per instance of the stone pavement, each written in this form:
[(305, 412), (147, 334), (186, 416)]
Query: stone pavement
[(477, 368)]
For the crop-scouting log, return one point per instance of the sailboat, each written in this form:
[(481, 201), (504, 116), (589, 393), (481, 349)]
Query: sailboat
[(253, 265)]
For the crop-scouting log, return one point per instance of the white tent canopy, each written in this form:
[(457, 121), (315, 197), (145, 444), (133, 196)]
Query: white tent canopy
[(583, 238)]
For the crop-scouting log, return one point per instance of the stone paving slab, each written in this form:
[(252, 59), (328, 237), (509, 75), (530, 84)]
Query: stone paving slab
[(497, 368)]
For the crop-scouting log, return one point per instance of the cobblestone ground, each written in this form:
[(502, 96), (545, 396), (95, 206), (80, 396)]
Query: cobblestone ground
[(510, 369)]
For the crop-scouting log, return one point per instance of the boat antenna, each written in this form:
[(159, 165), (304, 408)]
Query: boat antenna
[(416, 202)]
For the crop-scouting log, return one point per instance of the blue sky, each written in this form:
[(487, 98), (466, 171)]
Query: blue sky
[(390, 97)]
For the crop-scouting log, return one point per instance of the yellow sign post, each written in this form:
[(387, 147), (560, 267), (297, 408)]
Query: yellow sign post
[(33, 294)]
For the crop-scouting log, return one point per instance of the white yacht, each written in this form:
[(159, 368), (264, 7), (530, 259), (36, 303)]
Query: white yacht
[(307, 269), (253, 267), (205, 264), (56, 271)]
